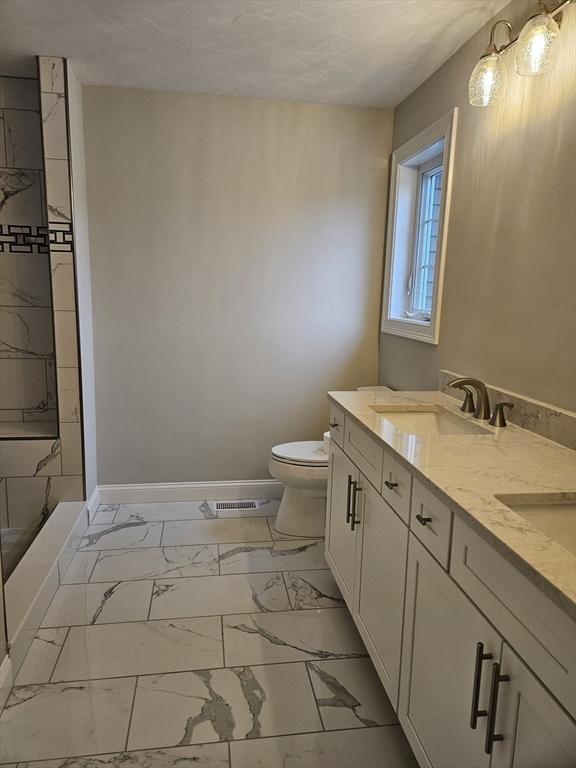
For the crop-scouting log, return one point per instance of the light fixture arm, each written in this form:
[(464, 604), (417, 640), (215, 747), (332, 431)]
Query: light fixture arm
[(493, 48)]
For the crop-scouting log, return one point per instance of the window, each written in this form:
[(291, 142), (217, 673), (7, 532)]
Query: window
[(417, 223)]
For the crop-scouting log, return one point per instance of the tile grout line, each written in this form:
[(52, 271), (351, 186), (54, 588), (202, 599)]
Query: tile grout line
[(59, 654), (287, 590), (314, 695), (360, 728), (187, 671), (222, 637), (136, 678)]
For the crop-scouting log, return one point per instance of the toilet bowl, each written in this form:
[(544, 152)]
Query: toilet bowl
[(303, 468)]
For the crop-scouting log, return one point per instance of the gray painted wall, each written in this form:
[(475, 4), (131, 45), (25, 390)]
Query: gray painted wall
[(236, 249), (509, 308), (83, 279)]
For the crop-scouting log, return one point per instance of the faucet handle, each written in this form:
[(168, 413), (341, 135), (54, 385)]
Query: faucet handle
[(498, 419), (468, 405)]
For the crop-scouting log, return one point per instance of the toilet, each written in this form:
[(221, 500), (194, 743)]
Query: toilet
[(303, 468)]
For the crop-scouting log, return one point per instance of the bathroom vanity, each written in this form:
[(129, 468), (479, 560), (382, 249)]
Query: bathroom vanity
[(453, 544)]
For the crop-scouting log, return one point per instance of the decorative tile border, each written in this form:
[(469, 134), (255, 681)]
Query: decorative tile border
[(61, 237), (20, 238), (546, 420)]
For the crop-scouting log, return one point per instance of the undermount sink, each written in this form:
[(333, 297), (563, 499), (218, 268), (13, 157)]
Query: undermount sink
[(427, 420), (552, 513)]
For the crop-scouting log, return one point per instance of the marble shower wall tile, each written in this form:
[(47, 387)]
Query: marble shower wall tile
[(69, 395), (32, 499), (556, 424), (293, 636), (155, 562), (211, 595), (58, 190), (277, 556), (349, 694), (26, 332), (52, 78), (115, 650), (19, 93), (361, 748), (66, 339), (30, 458), (222, 705), (23, 134), (96, 715), (23, 383), (24, 280), (197, 756), (63, 289), (21, 201), (71, 442), (54, 120), (313, 589)]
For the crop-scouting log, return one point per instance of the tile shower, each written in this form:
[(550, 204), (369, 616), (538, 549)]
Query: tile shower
[(41, 461)]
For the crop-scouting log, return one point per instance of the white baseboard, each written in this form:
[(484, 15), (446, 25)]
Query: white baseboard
[(6, 681), (209, 491), (93, 503)]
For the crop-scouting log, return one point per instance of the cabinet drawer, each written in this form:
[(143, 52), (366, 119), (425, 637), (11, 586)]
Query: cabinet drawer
[(337, 425), (365, 452), (431, 522), (540, 632), (396, 486)]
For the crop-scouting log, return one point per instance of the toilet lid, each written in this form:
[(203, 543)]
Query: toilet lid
[(309, 452)]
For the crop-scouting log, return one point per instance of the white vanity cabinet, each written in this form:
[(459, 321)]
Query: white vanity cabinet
[(465, 646), (341, 541), (536, 731), (445, 672), (380, 579)]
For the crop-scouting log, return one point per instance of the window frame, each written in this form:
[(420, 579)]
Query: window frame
[(403, 228)]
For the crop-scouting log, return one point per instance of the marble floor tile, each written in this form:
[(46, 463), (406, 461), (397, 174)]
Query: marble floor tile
[(361, 748), (115, 650), (313, 589), (105, 514), (152, 562), (197, 756), (275, 556), (80, 568), (42, 656), (292, 636), (222, 705), (121, 536), (48, 721), (75, 604), (277, 536), (349, 694), (266, 507), (165, 510), (215, 595), (216, 531)]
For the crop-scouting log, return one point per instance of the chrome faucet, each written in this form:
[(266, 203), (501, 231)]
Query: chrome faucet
[(482, 403)]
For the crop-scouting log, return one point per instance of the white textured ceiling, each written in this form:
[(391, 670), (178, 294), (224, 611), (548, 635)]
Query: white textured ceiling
[(367, 52)]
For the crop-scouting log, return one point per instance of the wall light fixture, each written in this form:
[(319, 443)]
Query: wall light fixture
[(536, 53)]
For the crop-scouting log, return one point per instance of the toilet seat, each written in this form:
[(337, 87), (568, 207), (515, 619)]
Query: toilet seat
[(306, 453)]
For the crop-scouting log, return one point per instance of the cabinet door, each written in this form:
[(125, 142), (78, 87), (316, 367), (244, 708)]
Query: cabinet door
[(440, 665), (536, 731), (381, 582), (340, 538)]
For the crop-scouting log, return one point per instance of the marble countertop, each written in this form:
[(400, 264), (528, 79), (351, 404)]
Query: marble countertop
[(469, 471)]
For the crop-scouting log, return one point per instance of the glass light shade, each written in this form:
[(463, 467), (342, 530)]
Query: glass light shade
[(538, 45), (487, 82)]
